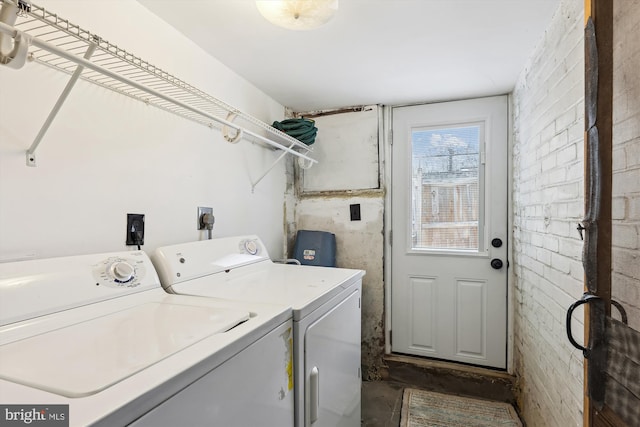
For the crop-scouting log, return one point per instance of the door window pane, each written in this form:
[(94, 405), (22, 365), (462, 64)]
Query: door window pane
[(445, 187)]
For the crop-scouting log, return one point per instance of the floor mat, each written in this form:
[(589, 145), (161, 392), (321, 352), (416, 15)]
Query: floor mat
[(429, 409)]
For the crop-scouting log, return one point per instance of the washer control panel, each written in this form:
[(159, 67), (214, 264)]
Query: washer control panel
[(119, 272)]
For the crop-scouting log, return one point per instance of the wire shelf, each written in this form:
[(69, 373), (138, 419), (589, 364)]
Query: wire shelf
[(64, 35)]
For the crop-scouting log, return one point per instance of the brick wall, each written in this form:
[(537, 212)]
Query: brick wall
[(548, 203), (625, 280)]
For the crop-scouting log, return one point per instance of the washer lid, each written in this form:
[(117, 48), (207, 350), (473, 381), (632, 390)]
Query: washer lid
[(90, 356)]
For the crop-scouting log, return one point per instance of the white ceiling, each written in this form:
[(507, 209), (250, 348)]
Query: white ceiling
[(374, 51)]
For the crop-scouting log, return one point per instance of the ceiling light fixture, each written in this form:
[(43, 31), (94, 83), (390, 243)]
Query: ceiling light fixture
[(298, 14)]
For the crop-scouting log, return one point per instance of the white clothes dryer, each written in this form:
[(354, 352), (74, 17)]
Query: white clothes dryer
[(326, 315), (99, 334)]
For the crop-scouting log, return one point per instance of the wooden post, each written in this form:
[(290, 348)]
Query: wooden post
[(601, 13)]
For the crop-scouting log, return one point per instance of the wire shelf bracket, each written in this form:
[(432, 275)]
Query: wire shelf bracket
[(57, 43), (31, 152)]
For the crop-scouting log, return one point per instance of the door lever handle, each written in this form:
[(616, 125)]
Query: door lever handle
[(586, 298), (580, 228)]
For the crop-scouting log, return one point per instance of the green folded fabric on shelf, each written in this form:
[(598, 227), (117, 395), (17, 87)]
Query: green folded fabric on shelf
[(303, 130)]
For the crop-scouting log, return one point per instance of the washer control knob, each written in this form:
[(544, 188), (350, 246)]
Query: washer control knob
[(251, 247), (122, 271)]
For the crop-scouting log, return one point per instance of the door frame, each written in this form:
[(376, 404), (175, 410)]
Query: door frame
[(387, 142)]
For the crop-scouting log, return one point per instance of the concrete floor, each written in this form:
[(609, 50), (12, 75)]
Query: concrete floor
[(382, 400)]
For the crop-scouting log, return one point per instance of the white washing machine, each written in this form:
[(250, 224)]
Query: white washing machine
[(99, 334), (326, 315)]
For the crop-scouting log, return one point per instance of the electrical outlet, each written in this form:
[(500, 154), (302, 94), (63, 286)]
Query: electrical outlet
[(202, 211), (354, 210), (135, 229)]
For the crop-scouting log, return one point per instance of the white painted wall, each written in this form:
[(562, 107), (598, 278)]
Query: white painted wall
[(548, 203), (107, 155)]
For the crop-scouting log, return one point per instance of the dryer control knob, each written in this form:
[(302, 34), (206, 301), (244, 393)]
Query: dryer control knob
[(122, 271)]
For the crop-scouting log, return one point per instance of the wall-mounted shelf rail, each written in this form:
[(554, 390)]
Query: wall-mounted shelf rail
[(60, 44)]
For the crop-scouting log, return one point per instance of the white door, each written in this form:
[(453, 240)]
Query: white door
[(449, 231), (332, 367)]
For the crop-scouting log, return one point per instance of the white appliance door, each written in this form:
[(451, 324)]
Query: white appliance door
[(332, 366), (253, 388)]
